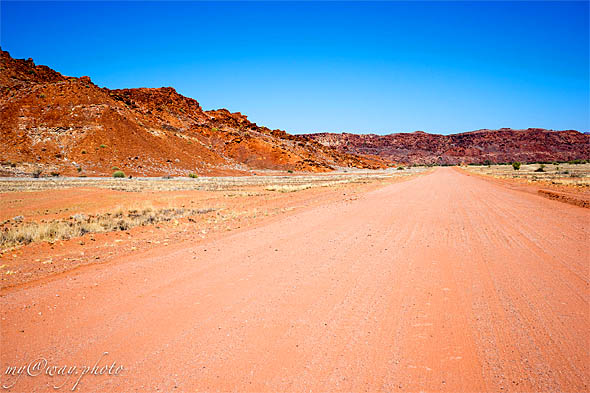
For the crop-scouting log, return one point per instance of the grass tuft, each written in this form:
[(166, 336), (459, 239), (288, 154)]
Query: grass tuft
[(288, 188), (16, 233)]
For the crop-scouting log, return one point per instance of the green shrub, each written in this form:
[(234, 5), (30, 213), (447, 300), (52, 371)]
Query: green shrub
[(42, 96), (541, 168), (193, 175), (516, 165), (83, 152), (119, 174), (55, 174), (115, 168), (103, 146), (400, 168), (79, 169), (290, 171)]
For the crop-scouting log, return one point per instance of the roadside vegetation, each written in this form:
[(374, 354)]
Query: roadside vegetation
[(574, 173), (288, 188), (17, 232), (193, 181)]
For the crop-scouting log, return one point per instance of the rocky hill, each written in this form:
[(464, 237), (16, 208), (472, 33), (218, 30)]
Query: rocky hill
[(503, 145), (70, 126)]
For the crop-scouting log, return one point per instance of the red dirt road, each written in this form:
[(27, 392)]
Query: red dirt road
[(446, 282)]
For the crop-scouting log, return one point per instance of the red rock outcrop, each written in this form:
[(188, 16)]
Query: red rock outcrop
[(70, 126), (496, 146)]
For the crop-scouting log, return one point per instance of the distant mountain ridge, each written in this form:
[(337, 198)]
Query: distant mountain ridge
[(503, 145)]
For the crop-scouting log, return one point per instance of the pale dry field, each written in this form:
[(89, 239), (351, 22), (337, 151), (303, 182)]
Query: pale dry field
[(577, 175), (268, 180)]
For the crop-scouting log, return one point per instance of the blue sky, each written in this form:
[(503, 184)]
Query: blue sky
[(376, 67)]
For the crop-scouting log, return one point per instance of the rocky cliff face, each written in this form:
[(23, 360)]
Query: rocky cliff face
[(504, 145), (71, 126)]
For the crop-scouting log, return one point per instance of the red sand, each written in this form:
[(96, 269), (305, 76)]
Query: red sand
[(445, 282)]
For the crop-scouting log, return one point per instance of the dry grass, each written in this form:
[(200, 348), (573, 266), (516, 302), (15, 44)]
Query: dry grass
[(15, 233), (288, 188), (202, 183), (561, 174)]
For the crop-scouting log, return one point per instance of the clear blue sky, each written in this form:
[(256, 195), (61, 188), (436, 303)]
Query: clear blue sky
[(377, 67)]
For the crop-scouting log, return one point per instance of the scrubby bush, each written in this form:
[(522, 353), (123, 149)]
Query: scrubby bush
[(103, 146), (541, 168), (193, 175), (577, 162), (516, 165), (55, 174), (37, 173), (400, 168), (83, 151), (115, 168), (119, 174)]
